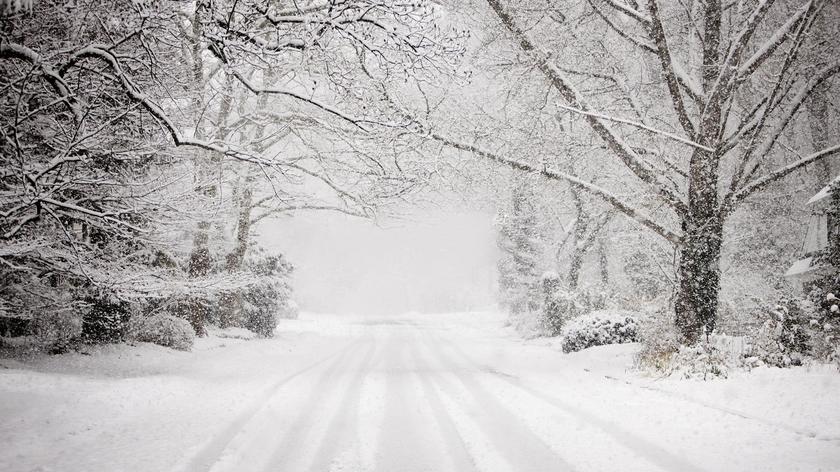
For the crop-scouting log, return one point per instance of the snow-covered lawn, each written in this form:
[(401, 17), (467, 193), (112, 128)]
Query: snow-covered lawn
[(414, 392)]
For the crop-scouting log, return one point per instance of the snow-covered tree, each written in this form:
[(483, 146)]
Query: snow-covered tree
[(686, 110), (521, 251), (125, 125)]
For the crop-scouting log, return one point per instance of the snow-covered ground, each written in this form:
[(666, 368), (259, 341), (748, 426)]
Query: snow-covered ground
[(434, 393)]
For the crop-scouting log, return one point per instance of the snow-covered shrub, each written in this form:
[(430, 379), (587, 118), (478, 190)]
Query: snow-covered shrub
[(105, 321), (825, 323), (714, 356), (599, 328), (264, 301), (784, 339), (163, 329), (704, 360), (260, 310), (660, 342), (561, 305), (57, 331)]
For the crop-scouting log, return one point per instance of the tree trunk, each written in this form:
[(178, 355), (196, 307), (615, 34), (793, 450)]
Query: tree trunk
[(699, 258), (232, 301), (699, 284), (603, 263), (578, 244), (699, 265), (243, 229), (199, 266)]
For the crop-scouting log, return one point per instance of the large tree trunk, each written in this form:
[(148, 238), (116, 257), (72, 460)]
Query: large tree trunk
[(699, 264), (699, 258), (699, 279)]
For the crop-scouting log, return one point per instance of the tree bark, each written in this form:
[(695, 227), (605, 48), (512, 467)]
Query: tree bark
[(699, 261), (699, 279)]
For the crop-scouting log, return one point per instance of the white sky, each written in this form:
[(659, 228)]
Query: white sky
[(438, 260)]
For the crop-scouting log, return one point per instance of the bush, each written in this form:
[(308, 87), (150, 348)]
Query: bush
[(164, 330), (265, 300), (660, 342), (105, 321), (560, 305), (705, 360), (712, 357), (825, 324), (57, 331), (261, 321), (784, 339), (599, 328)]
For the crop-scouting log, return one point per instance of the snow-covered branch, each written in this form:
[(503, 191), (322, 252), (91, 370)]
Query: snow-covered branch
[(643, 126), (588, 187), (663, 52), (780, 173), (558, 80)]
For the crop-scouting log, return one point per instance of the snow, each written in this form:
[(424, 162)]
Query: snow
[(444, 392)]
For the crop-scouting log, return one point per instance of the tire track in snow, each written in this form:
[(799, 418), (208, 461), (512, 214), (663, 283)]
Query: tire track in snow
[(209, 454), (301, 433), (412, 438), (338, 449), (650, 451), (458, 452), (520, 447)]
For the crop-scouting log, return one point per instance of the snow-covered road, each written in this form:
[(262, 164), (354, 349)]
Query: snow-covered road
[(412, 393)]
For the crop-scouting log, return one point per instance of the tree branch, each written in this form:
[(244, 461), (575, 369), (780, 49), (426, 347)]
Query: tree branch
[(780, 173), (592, 189), (663, 52), (629, 157)]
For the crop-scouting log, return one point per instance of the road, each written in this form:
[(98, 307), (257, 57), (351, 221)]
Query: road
[(404, 394), (412, 395)]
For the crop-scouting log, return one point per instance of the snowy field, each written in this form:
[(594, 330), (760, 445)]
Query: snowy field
[(410, 393)]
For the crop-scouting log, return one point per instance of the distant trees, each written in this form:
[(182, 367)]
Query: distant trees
[(521, 251), (685, 109)]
